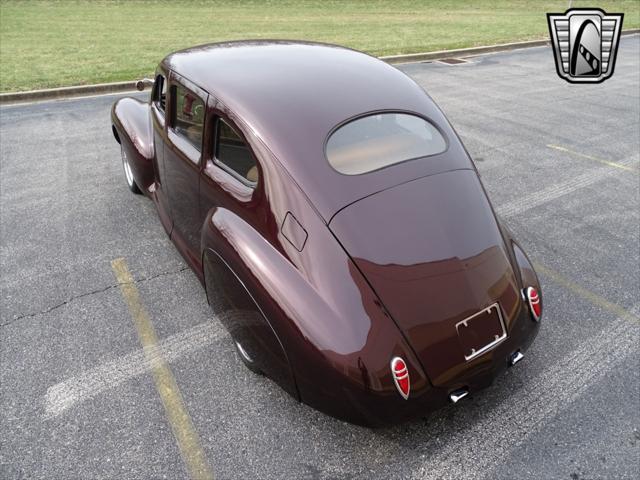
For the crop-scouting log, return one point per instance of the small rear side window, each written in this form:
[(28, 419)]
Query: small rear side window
[(234, 154), (378, 141)]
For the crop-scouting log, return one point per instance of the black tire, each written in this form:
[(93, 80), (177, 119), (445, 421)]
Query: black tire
[(246, 359), (128, 173)]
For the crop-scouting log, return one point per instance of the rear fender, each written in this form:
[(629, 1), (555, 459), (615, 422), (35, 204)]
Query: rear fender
[(236, 309), (132, 129), (522, 265), (525, 271), (337, 344)]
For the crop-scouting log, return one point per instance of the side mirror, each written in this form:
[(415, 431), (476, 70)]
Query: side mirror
[(145, 82)]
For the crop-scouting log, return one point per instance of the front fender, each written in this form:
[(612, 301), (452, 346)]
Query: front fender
[(338, 342), (133, 130)]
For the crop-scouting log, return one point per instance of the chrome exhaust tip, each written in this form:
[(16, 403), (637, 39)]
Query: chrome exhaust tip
[(458, 395), (515, 358)]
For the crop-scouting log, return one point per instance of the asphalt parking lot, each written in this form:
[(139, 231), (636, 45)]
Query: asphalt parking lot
[(78, 399)]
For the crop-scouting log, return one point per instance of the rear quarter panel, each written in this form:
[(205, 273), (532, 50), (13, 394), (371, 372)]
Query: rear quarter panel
[(334, 333)]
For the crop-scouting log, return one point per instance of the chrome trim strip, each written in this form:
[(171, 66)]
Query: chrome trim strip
[(492, 344)]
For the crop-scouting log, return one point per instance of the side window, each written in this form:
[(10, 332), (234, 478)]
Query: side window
[(234, 155), (188, 115), (160, 93)]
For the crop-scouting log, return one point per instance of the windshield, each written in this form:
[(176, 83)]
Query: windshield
[(378, 141)]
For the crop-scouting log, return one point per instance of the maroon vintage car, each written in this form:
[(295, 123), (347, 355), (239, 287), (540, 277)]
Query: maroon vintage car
[(337, 223)]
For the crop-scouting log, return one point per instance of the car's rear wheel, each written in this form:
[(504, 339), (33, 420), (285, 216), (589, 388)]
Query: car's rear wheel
[(128, 173)]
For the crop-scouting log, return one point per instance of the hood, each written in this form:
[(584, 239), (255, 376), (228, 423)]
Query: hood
[(432, 251)]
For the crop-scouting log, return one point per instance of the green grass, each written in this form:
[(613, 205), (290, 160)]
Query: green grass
[(47, 44)]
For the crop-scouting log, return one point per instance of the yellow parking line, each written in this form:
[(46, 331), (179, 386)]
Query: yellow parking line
[(588, 295), (595, 159), (177, 414)]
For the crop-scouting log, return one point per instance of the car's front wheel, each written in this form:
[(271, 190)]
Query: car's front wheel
[(128, 173)]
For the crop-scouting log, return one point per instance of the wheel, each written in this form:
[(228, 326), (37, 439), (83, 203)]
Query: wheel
[(128, 174), (246, 359)]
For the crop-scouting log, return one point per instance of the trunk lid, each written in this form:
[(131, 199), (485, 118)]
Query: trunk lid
[(433, 252)]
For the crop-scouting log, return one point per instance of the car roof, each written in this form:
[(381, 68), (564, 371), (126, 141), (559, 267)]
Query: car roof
[(293, 94)]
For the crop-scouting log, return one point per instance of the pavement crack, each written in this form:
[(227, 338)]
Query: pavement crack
[(88, 294), (58, 305), (161, 274)]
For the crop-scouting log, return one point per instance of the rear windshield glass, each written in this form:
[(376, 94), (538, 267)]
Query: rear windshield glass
[(377, 141)]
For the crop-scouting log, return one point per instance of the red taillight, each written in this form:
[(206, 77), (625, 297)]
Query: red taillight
[(534, 303), (401, 376)]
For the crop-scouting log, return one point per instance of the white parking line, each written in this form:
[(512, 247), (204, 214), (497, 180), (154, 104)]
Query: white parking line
[(525, 202), (66, 394), (475, 451)]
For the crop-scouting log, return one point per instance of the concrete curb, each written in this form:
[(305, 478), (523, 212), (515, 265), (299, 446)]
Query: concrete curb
[(84, 90), (66, 92), (461, 52), (467, 52)]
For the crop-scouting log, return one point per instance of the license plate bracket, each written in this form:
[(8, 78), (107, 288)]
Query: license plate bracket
[(481, 332)]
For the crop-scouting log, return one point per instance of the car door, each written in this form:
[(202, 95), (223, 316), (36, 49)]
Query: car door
[(183, 152), (158, 120), (231, 179)]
